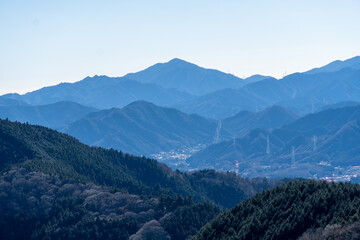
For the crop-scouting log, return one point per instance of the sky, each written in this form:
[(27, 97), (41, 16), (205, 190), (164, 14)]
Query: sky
[(43, 43)]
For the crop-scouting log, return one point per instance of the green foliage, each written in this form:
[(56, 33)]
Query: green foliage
[(287, 211), (187, 220), (65, 221), (41, 149)]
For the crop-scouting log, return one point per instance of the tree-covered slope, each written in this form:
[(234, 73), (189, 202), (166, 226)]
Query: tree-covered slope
[(34, 205), (286, 212), (37, 148), (54, 187)]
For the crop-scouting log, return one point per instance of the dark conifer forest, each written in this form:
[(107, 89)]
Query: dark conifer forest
[(54, 187)]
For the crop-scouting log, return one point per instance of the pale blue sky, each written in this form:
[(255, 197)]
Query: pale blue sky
[(43, 43)]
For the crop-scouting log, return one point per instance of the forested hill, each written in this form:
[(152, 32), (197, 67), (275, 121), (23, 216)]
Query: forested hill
[(288, 211), (54, 187), (37, 148)]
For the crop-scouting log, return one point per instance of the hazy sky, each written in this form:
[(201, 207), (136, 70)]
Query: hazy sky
[(43, 43)]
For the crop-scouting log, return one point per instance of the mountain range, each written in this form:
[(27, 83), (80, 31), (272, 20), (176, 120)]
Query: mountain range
[(231, 108), (51, 179), (143, 128), (53, 186), (311, 146), (187, 77), (297, 92), (57, 115), (5, 102), (103, 92), (269, 118), (209, 92), (163, 84), (337, 65)]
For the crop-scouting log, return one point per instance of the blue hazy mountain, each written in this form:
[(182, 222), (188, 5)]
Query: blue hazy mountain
[(256, 78), (297, 92), (320, 123), (339, 105), (337, 65), (143, 128), (103, 92), (321, 141), (4, 102), (169, 84), (56, 115), (269, 118), (187, 77)]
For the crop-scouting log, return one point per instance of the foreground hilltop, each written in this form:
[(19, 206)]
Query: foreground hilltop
[(288, 211), (80, 192)]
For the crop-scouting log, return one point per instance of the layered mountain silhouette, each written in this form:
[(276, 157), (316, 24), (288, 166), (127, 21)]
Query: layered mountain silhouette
[(339, 105), (55, 187), (314, 144), (187, 77), (143, 128), (56, 115), (337, 65), (209, 92), (103, 92), (256, 78), (298, 92), (269, 118), (4, 102)]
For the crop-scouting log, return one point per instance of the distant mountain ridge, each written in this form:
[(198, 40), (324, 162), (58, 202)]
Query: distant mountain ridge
[(269, 118), (256, 78), (297, 92), (56, 115), (209, 92), (328, 138), (188, 77), (5, 102), (103, 92), (143, 128), (339, 105), (337, 65)]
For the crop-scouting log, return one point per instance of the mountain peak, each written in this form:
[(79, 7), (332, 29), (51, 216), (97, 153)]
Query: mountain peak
[(140, 103), (180, 62), (186, 77), (337, 65), (177, 60)]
